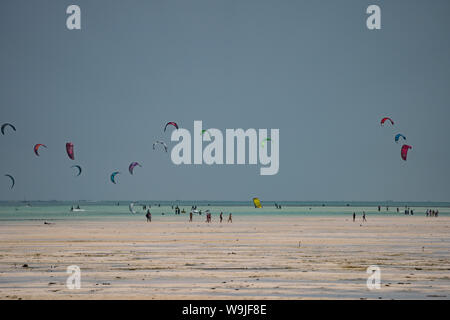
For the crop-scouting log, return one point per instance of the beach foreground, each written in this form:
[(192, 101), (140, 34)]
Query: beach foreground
[(255, 257)]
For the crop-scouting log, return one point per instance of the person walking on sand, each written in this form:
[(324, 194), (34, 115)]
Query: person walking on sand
[(364, 217), (148, 216), (230, 218), (190, 216), (354, 216), (221, 217)]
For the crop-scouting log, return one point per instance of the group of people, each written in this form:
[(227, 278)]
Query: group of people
[(432, 213), (408, 211), (208, 217)]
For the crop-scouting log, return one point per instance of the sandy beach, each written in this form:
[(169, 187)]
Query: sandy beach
[(254, 257)]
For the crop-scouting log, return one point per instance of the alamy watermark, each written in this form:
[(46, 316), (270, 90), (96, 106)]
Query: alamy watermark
[(74, 280), (235, 142), (374, 280)]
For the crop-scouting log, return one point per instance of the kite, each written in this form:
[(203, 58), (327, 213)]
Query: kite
[(12, 180), (387, 118), (5, 125), (79, 169), (257, 203), (206, 131), (36, 148), (404, 152), (171, 123), (132, 165), (113, 175), (70, 151), (160, 142), (397, 137), (264, 141)]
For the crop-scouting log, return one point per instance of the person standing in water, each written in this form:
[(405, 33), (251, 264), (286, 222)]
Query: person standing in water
[(221, 217), (190, 216), (148, 216), (364, 216), (230, 218), (354, 216)]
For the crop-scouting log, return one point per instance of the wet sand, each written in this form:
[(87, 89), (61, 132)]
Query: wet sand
[(255, 257)]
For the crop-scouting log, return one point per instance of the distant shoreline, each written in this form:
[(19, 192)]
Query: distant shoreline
[(267, 203)]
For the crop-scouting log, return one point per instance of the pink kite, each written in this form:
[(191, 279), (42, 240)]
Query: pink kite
[(132, 165), (69, 149), (404, 152), (387, 118), (171, 123)]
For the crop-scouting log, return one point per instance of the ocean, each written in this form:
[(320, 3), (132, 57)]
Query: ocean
[(112, 210)]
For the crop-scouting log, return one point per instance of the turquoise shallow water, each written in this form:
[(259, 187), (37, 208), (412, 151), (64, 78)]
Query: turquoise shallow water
[(108, 210)]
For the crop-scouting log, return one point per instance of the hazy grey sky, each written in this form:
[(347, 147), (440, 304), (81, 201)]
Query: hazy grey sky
[(309, 68)]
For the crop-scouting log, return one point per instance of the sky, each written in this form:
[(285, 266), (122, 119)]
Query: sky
[(311, 69)]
